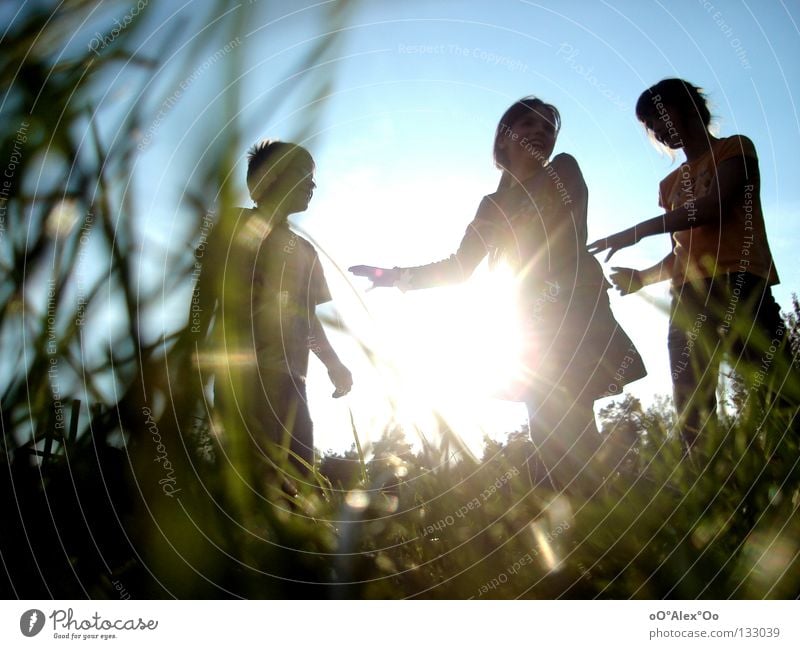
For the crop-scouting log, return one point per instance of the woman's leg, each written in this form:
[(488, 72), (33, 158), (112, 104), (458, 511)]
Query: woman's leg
[(564, 432), (762, 352), (695, 350)]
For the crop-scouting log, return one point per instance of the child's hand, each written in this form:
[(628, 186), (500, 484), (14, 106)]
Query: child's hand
[(341, 378), (379, 276), (626, 280), (614, 243)]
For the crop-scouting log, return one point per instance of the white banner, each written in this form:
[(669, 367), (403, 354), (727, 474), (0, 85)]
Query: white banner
[(400, 625)]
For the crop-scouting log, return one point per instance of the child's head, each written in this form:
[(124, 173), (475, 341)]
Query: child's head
[(282, 172), (527, 120), (669, 106)]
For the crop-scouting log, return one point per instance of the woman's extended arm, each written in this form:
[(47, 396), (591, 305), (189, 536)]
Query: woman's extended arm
[(456, 268)]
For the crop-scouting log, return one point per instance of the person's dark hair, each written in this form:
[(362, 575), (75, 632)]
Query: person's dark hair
[(513, 114), (677, 94), (267, 160)]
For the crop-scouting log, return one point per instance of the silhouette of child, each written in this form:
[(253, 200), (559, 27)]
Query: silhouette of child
[(267, 282)]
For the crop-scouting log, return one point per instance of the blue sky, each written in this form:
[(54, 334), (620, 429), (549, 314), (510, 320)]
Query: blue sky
[(403, 139)]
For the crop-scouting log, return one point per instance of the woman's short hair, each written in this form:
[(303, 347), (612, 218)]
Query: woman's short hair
[(512, 116)]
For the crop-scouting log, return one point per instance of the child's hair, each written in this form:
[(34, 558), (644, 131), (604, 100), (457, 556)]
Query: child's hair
[(267, 160), (677, 94), (512, 116)]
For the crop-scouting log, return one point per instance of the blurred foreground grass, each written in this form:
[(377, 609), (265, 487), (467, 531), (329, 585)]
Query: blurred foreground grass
[(87, 524)]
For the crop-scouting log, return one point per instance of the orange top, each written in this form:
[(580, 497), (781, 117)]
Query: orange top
[(737, 242)]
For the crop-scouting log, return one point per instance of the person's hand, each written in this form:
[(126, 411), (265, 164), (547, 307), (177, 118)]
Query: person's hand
[(379, 276), (626, 280), (341, 378), (614, 243)]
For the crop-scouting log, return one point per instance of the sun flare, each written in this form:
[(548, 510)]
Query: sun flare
[(452, 350)]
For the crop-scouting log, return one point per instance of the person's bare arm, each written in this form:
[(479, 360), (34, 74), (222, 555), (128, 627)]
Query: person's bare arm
[(732, 175), (318, 343), (456, 268), (630, 280)]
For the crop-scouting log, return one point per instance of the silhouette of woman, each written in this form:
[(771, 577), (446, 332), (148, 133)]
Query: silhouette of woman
[(720, 264), (575, 352)]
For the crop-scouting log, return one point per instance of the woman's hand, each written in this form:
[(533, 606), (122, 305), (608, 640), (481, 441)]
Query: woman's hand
[(615, 242), (626, 280), (379, 276)]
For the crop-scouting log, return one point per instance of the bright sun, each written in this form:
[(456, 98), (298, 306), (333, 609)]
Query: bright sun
[(450, 349)]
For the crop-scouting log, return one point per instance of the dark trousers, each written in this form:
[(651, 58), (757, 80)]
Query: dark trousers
[(267, 411), (285, 418), (734, 315), (563, 431)]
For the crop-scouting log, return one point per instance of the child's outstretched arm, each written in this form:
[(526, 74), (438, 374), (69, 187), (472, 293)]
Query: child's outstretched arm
[(318, 343), (731, 176), (630, 280)]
